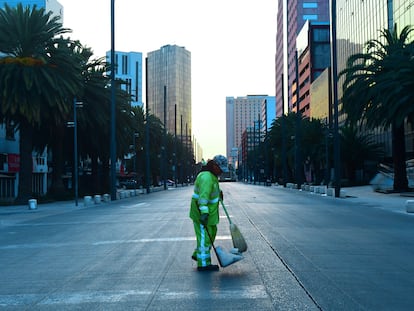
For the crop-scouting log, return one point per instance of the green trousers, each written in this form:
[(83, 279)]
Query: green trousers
[(202, 252)]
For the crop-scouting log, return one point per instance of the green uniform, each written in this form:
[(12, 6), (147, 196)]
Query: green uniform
[(205, 199)]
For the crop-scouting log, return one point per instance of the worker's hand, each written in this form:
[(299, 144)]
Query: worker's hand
[(221, 196), (204, 219)]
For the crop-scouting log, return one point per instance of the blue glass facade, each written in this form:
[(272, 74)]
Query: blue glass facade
[(12, 3)]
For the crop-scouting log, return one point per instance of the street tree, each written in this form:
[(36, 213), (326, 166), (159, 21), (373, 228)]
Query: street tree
[(37, 76), (378, 91)]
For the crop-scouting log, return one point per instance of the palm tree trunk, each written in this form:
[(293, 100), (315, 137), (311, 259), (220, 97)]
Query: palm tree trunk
[(398, 150), (58, 187), (26, 163)]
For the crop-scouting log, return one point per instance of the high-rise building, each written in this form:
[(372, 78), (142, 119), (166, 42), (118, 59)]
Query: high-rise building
[(313, 46), (169, 89), (291, 16), (242, 113), (128, 67), (49, 5)]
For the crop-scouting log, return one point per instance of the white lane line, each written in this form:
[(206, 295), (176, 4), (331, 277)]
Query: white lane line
[(73, 298), (98, 243)]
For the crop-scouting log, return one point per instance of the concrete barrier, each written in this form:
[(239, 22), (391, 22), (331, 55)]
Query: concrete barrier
[(409, 205)]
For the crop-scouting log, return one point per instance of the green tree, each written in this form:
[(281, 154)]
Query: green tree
[(378, 91), (37, 76), (311, 143), (357, 148)]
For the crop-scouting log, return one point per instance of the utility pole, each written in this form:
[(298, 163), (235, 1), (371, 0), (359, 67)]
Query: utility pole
[(113, 110), (334, 69)]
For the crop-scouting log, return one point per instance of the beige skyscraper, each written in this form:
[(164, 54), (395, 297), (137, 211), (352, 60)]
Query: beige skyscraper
[(169, 69)]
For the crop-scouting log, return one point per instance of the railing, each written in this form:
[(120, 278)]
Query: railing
[(7, 188), (38, 184)]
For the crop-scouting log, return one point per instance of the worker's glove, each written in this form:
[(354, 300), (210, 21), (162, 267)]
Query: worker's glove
[(204, 219), (221, 196)]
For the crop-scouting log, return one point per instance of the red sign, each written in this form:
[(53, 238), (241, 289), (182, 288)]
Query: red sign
[(13, 161)]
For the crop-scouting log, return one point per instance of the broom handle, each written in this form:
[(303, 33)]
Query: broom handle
[(214, 248), (225, 210)]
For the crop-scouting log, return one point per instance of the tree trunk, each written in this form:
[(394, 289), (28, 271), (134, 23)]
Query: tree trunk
[(26, 163), (106, 181), (398, 150), (58, 187), (96, 186)]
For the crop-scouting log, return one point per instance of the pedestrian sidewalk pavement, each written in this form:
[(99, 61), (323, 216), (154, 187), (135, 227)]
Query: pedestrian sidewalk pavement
[(365, 195)]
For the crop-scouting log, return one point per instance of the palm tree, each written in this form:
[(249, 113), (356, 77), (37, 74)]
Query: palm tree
[(37, 76), (312, 142), (357, 149), (378, 91)]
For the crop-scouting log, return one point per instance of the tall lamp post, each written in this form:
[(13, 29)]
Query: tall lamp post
[(113, 110), (334, 69), (135, 160), (76, 104)]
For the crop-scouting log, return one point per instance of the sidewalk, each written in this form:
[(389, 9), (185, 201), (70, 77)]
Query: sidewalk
[(365, 195)]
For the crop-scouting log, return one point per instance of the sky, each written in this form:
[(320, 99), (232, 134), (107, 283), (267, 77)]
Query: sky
[(232, 45)]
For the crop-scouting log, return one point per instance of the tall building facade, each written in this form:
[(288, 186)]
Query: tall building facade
[(128, 67), (169, 83), (291, 16), (242, 113), (313, 46)]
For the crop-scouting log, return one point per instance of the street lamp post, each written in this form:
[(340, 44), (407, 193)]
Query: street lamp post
[(113, 127), (75, 149), (334, 69), (135, 160)]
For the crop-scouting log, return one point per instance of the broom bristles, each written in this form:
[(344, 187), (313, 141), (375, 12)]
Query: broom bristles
[(238, 240)]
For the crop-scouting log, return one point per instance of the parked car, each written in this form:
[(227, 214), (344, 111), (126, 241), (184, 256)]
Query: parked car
[(129, 184)]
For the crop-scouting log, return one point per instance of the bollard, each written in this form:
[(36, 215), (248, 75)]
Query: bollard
[(32, 204), (409, 205), (97, 199), (87, 200), (106, 197)]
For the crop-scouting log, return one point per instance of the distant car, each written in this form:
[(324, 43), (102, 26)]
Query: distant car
[(129, 184), (169, 182)]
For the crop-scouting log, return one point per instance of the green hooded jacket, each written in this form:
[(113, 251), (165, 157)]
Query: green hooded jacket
[(205, 198)]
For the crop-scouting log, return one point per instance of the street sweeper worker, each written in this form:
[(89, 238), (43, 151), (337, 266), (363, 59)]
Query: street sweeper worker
[(204, 210)]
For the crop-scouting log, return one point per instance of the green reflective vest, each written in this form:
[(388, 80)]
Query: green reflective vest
[(205, 198)]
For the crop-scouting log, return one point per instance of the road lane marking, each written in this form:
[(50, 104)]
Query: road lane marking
[(105, 242), (74, 298)]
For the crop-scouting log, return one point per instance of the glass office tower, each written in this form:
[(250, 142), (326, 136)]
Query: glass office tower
[(170, 67)]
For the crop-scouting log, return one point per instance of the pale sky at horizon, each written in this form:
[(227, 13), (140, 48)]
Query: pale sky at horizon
[(232, 45)]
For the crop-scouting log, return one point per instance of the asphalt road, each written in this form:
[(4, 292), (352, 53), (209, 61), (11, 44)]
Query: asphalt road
[(305, 252)]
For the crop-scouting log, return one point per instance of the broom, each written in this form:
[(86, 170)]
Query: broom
[(238, 240)]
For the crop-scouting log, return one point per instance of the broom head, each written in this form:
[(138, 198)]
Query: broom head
[(238, 240), (227, 258)]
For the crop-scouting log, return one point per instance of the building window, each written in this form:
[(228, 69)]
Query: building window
[(311, 17), (124, 64), (310, 5)]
